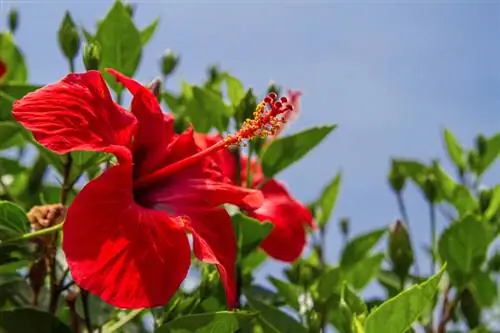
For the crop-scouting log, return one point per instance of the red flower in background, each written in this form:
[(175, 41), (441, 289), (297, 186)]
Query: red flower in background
[(3, 69), (289, 217), (125, 232)]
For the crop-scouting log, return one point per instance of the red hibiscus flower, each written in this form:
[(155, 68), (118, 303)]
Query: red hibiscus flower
[(289, 217), (125, 232)]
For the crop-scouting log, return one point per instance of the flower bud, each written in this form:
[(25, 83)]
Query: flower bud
[(273, 87), (92, 56), (400, 250), (69, 38), (13, 20), (345, 226), (481, 143), (214, 73), (431, 188), (396, 178), (169, 62)]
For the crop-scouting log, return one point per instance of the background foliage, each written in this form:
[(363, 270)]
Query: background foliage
[(457, 296)]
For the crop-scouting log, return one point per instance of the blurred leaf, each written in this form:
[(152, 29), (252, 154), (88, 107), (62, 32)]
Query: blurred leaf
[(470, 309), (404, 309), (223, 322), (252, 232), (463, 200), (484, 288), (415, 170), (364, 271), (209, 105), (327, 200), (329, 282), (148, 32), (288, 291), (10, 93), (463, 246), (490, 155), (262, 294), (253, 260), (13, 59), (9, 134), (30, 321), (10, 167), (284, 151), (100, 312), (275, 318), (353, 300), (494, 203), (359, 247), (120, 41), (235, 89), (13, 220), (455, 150)]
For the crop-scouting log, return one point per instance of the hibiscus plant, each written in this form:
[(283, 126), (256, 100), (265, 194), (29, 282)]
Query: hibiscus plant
[(161, 214)]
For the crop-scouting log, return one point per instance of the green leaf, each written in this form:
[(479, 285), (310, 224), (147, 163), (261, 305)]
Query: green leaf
[(359, 247), (10, 167), (364, 271), (120, 41), (484, 288), (490, 155), (252, 232), (210, 106), (148, 32), (275, 318), (235, 89), (398, 313), (327, 200), (9, 134), (220, 322), (455, 150), (353, 300), (288, 291), (415, 170), (329, 282), (285, 151), (463, 200), (30, 321), (13, 220), (99, 311), (463, 246), (10, 93), (13, 59), (494, 204)]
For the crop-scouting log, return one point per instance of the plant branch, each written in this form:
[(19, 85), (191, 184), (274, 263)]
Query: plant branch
[(447, 310), (85, 305), (239, 274)]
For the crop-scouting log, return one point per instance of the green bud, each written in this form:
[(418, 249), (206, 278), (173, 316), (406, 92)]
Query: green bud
[(92, 56), (485, 199), (214, 73), (13, 20), (481, 143), (155, 87), (273, 87), (130, 8), (396, 178), (69, 38), (169, 62), (345, 226), (431, 188), (400, 250)]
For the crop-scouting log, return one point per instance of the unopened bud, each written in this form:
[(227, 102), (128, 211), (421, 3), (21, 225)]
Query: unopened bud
[(396, 178), (92, 56), (169, 62), (69, 38), (400, 249), (130, 8), (481, 143), (13, 20), (273, 87), (214, 73), (345, 226), (155, 87), (431, 188)]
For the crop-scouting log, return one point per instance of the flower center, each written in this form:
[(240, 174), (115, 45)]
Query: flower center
[(267, 120)]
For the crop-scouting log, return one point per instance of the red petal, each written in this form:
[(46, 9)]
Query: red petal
[(223, 158), (130, 256), (76, 113), (214, 243), (3, 69), (288, 238), (155, 129)]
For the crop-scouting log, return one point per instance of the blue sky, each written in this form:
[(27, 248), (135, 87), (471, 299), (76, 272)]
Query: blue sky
[(391, 74)]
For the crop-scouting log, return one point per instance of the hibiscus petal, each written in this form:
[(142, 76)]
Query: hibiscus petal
[(76, 113), (130, 256), (155, 129), (214, 242), (288, 237)]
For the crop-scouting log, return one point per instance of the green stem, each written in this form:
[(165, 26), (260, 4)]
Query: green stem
[(72, 65), (32, 235), (123, 320), (239, 273), (432, 218)]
